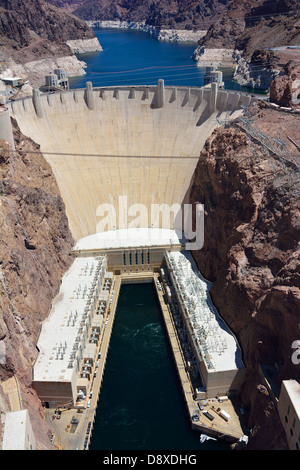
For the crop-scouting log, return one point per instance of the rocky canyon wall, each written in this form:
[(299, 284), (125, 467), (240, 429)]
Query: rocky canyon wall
[(251, 254), (35, 253)]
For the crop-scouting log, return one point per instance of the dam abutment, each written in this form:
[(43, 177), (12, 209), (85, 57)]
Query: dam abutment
[(6, 132)]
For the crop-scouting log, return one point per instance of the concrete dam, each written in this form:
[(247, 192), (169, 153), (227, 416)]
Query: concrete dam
[(140, 145), (139, 142)]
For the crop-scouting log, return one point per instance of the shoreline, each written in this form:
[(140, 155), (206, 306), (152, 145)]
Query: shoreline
[(173, 35), (36, 70)]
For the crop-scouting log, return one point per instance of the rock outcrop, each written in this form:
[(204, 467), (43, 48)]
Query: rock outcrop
[(35, 29), (285, 89), (251, 254), (35, 253), (258, 72)]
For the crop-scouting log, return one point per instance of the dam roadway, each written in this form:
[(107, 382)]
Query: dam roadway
[(139, 142)]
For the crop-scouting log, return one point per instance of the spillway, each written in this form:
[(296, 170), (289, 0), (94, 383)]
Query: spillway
[(141, 143)]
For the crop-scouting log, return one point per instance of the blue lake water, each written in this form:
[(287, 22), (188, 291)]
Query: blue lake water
[(137, 58)]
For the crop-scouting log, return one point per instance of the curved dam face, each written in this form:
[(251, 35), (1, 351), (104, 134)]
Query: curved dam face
[(136, 146)]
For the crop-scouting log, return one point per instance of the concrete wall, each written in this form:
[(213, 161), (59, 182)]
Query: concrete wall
[(18, 432), (289, 412), (120, 261), (55, 393), (227, 382), (139, 142)]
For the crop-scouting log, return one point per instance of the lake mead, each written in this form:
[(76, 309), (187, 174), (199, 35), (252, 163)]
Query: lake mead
[(137, 58)]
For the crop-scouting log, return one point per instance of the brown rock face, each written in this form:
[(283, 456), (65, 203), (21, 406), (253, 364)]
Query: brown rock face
[(68, 5), (30, 30), (285, 89), (35, 252), (177, 14), (251, 254)]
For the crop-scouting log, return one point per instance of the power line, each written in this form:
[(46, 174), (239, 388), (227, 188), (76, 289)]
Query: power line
[(165, 72), (196, 67), (94, 155)]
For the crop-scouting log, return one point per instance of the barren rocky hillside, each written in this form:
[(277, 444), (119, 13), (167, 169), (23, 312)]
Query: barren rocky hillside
[(250, 25), (247, 31), (31, 30), (68, 5), (174, 14)]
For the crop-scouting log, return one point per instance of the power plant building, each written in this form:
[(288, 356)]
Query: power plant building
[(69, 337), (289, 411), (132, 250), (217, 353)]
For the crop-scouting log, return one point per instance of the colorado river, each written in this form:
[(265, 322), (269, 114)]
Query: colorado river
[(141, 405)]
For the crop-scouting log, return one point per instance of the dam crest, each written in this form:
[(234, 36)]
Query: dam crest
[(138, 142)]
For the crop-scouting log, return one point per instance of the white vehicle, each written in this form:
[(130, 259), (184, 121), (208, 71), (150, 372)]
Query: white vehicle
[(204, 437), (88, 404)]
